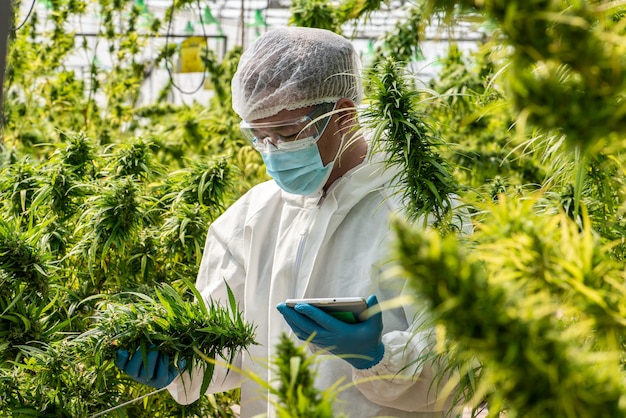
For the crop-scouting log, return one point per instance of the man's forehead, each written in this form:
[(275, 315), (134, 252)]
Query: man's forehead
[(286, 115)]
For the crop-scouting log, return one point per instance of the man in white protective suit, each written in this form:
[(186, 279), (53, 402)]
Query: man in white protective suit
[(320, 228)]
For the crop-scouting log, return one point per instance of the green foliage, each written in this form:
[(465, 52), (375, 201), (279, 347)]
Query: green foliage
[(24, 291), (326, 15), (537, 301), (18, 187), (473, 112), (59, 101), (401, 129), (53, 382), (109, 197), (297, 395), (537, 298), (94, 221), (100, 196), (567, 65), (169, 322), (402, 44), (49, 383), (315, 14), (354, 9)]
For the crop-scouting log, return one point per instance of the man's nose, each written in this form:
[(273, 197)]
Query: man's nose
[(271, 139)]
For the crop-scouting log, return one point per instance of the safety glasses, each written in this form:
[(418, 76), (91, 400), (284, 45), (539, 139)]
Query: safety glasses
[(288, 135)]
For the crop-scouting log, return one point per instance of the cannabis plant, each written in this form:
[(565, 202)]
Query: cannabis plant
[(401, 129), (296, 393), (93, 222), (402, 44), (25, 269), (171, 323), (536, 300), (566, 73)]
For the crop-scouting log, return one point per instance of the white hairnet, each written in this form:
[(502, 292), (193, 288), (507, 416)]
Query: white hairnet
[(292, 68)]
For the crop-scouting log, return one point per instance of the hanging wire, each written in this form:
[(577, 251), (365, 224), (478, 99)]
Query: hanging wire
[(99, 414), (30, 10), (206, 51)]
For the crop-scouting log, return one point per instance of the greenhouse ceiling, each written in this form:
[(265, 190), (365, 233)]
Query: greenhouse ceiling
[(226, 23)]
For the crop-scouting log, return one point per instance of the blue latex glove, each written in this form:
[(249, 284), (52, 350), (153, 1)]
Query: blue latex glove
[(359, 344), (158, 373)]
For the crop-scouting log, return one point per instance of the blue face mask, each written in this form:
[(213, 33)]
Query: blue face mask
[(300, 171)]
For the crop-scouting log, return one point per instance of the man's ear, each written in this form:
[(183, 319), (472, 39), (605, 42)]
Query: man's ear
[(346, 112)]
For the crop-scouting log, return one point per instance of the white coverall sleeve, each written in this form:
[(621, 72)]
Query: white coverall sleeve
[(400, 380), (221, 264), (406, 378), (185, 389)]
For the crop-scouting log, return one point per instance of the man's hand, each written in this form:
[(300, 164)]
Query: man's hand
[(157, 372), (359, 344)]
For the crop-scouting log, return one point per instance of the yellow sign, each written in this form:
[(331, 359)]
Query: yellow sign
[(191, 51)]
